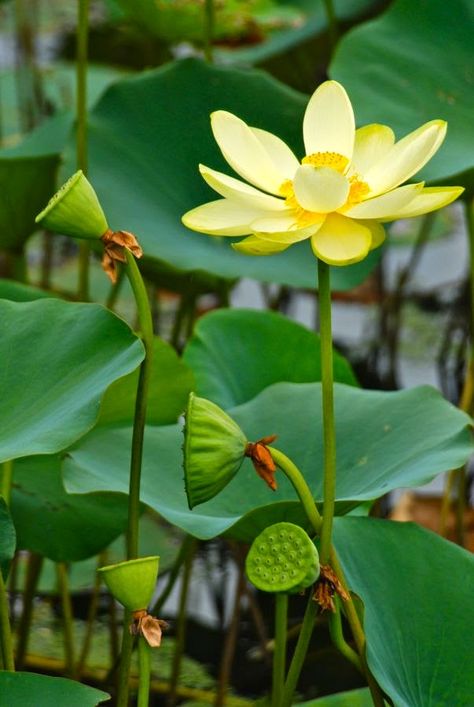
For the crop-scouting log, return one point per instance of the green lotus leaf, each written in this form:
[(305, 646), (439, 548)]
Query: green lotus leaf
[(213, 450), (18, 688), (170, 384), (283, 558), (417, 593), (237, 353), (61, 526), (144, 167), (385, 440), (353, 698), (132, 582), (19, 292), (58, 358), (26, 183), (7, 538), (398, 73)]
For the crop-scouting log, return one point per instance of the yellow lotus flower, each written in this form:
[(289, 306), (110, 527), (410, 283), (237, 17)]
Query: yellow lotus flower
[(339, 195)]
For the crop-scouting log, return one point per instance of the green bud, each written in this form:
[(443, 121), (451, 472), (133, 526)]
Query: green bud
[(75, 210), (132, 583), (214, 448), (283, 558)]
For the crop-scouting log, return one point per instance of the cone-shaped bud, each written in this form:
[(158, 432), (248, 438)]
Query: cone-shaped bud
[(283, 558), (132, 583), (214, 448), (75, 210)]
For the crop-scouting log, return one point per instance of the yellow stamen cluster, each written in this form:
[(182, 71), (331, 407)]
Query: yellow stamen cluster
[(327, 159), (358, 190), (303, 217)]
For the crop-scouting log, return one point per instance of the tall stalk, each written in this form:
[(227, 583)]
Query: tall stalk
[(146, 331), (279, 653), (7, 480), (181, 627), (5, 628), (68, 618), (209, 30), (329, 432), (456, 478), (81, 129)]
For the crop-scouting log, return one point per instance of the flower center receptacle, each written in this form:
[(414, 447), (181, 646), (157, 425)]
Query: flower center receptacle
[(358, 189)]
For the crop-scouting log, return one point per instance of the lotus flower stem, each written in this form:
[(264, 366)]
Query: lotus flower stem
[(68, 628), (300, 652), (332, 22), (298, 482), (5, 628), (337, 636), (279, 655), (81, 129), (181, 624), (7, 478), (33, 572), (208, 30), (146, 328), (329, 432), (186, 548), (144, 669)]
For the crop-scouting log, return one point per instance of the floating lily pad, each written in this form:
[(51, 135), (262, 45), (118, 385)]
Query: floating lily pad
[(58, 358), (144, 155), (7, 538), (353, 698), (398, 72), (19, 688), (417, 592), (385, 441), (236, 353)]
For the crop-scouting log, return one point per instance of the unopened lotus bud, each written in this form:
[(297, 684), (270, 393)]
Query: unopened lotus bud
[(283, 558), (75, 210), (132, 583), (214, 449)]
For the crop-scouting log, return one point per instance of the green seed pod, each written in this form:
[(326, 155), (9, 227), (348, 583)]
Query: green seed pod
[(132, 583), (214, 448), (75, 210), (283, 558)]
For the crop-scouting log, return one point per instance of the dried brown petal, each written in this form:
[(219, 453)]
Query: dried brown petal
[(148, 626), (114, 244), (263, 460), (328, 585)]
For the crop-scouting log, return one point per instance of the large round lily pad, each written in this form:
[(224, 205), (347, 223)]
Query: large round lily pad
[(385, 441), (413, 64), (417, 593), (20, 688), (147, 136), (57, 358), (353, 698), (236, 353)]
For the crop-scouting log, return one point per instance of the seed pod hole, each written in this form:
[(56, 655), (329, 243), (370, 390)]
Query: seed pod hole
[(286, 566)]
